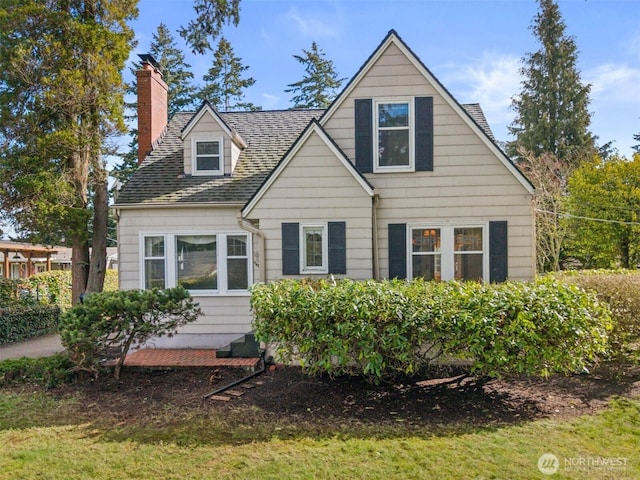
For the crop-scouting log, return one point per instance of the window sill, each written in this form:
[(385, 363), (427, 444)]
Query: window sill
[(201, 293), (393, 169)]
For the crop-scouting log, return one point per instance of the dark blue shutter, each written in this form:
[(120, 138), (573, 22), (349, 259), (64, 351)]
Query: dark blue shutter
[(290, 249), (397, 250), (498, 252), (337, 247), (424, 133), (364, 135)]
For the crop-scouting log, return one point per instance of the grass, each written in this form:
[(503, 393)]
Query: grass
[(43, 438)]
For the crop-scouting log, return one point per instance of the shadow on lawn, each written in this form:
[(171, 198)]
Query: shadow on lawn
[(290, 404), (169, 406)]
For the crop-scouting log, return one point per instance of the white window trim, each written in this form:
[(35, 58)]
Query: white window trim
[(325, 249), (170, 258), (194, 155), (376, 148), (447, 250)]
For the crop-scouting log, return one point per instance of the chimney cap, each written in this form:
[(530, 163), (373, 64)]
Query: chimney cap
[(148, 58)]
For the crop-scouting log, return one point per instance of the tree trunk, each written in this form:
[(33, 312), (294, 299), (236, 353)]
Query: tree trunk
[(79, 268), (98, 265)]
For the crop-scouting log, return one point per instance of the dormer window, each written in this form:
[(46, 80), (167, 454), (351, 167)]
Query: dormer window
[(207, 156)]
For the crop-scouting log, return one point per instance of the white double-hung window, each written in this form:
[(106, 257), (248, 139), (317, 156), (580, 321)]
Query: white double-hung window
[(209, 263), (207, 156), (394, 136)]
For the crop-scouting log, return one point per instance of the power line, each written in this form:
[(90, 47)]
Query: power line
[(603, 220)]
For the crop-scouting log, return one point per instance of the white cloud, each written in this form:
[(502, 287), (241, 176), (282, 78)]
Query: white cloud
[(270, 101), (614, 82), (313, 26), (491, 81)]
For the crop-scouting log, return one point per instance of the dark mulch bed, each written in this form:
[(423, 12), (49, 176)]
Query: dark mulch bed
[(287, 394)]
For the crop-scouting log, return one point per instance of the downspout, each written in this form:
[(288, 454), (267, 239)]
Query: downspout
[(374, 236), (246, 225)]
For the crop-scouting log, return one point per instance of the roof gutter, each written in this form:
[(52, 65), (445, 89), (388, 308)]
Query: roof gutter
[(133, 206), (249, 227)]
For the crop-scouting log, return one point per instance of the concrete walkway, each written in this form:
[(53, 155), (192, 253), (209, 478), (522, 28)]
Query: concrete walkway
[(44, 346)]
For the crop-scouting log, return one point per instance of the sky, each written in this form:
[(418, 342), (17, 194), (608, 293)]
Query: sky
[(474, 47)]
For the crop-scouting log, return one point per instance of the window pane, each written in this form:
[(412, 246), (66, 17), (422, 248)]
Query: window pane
[(207, 148), (468, 266), (425, 240), (154, 273), (154, 246), (237, 246), (237, 273), (207, 163), (393, 148), (313, 247), (196, 262), (468, 239), (393, 115), (427, 267)]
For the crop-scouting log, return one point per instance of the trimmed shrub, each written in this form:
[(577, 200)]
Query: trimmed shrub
[(385, 329), (54, 287), (621, 290), (49, 371), (21, 322), (115, 320)]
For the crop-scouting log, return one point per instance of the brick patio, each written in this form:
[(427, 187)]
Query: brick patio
[(162, 357)]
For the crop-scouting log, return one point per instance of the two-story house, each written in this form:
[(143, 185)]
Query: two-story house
[(395, 179)]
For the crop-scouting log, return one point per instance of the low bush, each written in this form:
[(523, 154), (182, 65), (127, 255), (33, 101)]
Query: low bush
[(49, 371), (115, 320), (621, 290), (385, 329), (21, 322)]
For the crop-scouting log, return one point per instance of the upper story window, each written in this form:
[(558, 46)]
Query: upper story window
[(394, 135), (207, 156)]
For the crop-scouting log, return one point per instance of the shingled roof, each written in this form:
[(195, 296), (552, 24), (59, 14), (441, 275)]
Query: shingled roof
[(161, 179), (268, 134)]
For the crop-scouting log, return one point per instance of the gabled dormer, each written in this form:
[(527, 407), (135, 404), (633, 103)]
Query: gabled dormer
[(211, 146)]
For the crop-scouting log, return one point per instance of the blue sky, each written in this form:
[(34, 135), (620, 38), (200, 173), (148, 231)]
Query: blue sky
[(474, 47)]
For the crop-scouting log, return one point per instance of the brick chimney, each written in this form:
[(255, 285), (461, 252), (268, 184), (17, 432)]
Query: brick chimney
[(152, 105)]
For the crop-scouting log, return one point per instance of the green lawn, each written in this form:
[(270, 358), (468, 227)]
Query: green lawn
[(42, 439)]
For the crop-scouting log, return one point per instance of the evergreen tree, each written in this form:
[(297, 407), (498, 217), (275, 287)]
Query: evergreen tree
[(320, 85), (181, 95), (212, 15), (223, 84), (552, 108), (175, 71), (61, 97), (636, 148)]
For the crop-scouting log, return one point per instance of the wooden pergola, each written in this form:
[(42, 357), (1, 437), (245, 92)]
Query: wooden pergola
[(28, 251)]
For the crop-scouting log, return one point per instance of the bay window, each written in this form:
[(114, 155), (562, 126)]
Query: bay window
[(201, 263)]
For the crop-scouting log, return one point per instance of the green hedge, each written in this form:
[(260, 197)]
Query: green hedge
[(23, 322), (621, 290), (55, 286), (385, 329)]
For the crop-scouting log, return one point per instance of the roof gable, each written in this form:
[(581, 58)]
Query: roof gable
[(208, 108), (313, 128), (472, 119)]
